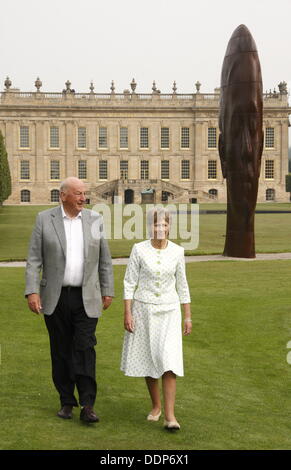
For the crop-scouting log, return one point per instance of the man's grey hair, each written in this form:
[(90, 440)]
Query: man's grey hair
[(63, 186), (66, 183)]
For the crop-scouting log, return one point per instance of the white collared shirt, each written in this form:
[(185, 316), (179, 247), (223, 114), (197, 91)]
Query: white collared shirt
[(74, 270)]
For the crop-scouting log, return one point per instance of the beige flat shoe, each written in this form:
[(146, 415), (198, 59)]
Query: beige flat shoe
[(151, 417), (171, 425)]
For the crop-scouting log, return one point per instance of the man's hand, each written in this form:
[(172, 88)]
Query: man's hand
[(106, 301), (34, 303)]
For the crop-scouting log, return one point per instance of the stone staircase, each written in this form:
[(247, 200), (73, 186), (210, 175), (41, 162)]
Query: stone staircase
[(202, 196), (104, 192), (176, 190)]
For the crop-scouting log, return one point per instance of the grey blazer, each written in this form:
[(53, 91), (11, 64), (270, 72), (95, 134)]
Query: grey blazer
[(47, 253)]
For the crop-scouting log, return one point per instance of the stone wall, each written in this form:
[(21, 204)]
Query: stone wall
[(68, 111)]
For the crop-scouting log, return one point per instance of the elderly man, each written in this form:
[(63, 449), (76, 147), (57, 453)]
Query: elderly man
[(68, 246)]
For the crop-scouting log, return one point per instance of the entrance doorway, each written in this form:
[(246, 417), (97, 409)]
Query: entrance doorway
[(128, 196), (148, 196), (166, 196)]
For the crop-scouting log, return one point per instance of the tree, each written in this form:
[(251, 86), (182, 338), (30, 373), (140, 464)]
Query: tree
[(5, 177)]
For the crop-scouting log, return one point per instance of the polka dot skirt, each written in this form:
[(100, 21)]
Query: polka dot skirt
[(155, 346)]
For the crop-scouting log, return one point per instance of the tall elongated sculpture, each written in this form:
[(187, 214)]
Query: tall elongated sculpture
[(241, 139)]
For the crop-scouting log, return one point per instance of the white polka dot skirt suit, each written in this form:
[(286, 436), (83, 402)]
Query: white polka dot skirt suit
[(156, 282)]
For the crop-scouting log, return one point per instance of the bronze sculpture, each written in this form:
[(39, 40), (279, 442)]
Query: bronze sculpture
[(241, 139)]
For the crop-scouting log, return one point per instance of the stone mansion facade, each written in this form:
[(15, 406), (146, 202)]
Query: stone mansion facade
[(141, 147)]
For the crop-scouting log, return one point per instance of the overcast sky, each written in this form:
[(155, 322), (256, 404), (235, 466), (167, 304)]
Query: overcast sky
[(161, 40)]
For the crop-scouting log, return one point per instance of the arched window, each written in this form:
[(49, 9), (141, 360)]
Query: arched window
[(270, 194), (54, 195), (25, 195), (213, 192)]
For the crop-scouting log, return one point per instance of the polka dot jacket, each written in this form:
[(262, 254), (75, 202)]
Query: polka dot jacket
[(156, 276)]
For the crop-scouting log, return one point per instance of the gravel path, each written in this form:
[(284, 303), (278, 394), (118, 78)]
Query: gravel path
[(189, 259)]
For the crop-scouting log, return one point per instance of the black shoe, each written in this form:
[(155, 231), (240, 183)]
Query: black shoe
[(88, 415), (65, 412)]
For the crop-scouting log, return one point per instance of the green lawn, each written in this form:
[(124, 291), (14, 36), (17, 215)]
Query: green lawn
[(272, 231), (236, 389)]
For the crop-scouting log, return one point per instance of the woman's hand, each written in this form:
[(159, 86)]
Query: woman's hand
[(128, 322), (187, 327), (187, 319)]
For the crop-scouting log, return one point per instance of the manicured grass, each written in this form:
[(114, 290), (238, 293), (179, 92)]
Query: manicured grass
[(272, 231), (236, 389)]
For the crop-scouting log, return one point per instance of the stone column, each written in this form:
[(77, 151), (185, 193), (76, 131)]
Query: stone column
[(193, 152), (113, 137), (199, 142), (11, 136), (134, 168), (70, 144), (91, 137), (283, 150), (154, 167), (133, 136), (137, 196), (113, 164), (175, 167), (39, 150), (154, 136), (158, 196)]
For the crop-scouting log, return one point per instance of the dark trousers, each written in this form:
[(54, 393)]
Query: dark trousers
[(72, 341)]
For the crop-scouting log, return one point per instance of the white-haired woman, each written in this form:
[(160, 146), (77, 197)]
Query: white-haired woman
[(155, 285)]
